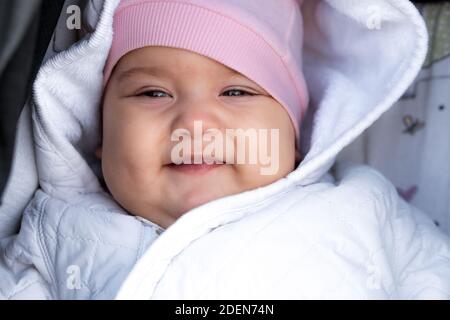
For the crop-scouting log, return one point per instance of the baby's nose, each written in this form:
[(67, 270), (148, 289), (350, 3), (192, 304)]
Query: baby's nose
[(199, 114)]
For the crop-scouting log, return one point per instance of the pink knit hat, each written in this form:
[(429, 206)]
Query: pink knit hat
[(261, 39)]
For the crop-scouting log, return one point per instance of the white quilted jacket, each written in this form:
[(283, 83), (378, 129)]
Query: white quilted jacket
[(317, 233)]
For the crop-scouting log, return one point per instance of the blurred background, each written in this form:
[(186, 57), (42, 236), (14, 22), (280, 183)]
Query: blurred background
[(410, 144)]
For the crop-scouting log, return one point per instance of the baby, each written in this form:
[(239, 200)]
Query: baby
[(153, 90), (204, 116), (156, 90)]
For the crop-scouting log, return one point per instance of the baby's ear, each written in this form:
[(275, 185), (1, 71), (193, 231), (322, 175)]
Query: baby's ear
[(98, 152)]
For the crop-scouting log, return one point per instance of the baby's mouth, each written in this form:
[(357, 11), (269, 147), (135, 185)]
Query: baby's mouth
[(200, 168)]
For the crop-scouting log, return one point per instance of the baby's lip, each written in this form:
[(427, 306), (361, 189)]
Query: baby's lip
[(204, 159), (193, 168)]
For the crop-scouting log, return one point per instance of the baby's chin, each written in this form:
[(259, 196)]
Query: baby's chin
[(191, 192), (199, 197), (170, 210)]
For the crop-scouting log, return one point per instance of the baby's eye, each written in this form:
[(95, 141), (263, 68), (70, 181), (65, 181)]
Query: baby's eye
[(154, 94), (237, 93)]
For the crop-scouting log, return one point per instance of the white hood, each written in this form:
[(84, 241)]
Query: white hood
[(359, 58)]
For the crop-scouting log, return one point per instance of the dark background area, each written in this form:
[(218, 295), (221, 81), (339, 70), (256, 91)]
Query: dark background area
[(27, 27)]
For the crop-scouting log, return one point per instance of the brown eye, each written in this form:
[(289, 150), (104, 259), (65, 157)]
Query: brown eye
[(154, 94), (237, 93)]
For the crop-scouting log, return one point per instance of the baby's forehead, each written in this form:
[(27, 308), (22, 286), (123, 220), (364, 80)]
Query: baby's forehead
[(172, 62), (173, 59)]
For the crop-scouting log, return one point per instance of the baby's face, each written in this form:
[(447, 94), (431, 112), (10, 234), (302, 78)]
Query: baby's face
[(154, 91)]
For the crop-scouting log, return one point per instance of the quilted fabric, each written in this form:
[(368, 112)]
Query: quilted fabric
[(308, 235)]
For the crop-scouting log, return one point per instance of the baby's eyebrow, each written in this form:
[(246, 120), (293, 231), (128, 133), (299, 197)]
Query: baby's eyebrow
[(152, 71), (157, 71)]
